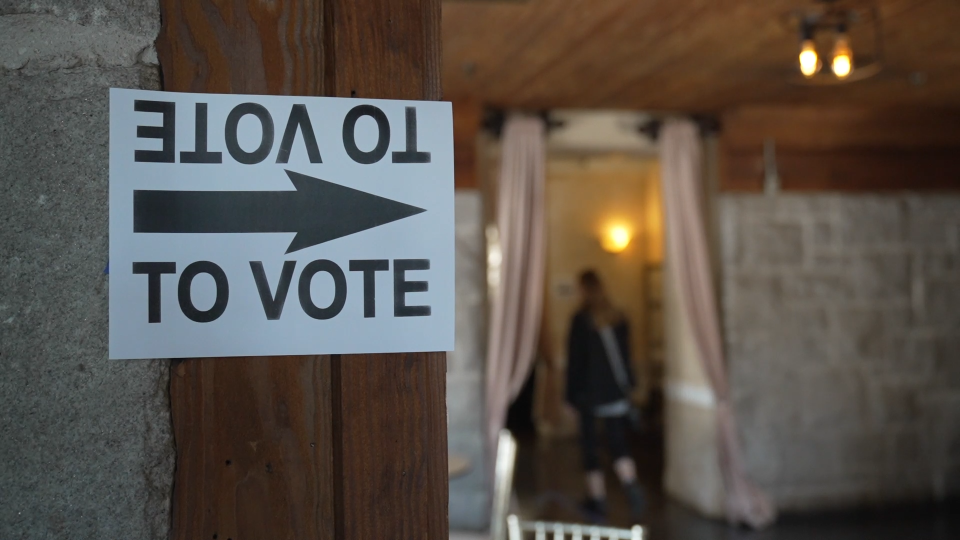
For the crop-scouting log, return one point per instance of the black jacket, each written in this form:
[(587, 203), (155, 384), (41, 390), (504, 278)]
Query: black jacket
[(590, 379)]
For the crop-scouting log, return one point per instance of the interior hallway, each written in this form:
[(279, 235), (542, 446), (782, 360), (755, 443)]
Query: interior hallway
[(548, 485)]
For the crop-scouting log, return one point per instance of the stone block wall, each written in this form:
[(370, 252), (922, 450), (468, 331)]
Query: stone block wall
[(85, 443), (469, 494), (842, 325)]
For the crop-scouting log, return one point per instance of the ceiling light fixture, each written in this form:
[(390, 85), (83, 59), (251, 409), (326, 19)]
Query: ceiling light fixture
[(842, 55), (833, 19), (809, 59)]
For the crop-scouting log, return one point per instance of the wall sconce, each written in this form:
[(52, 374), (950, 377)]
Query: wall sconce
[(615, 239)]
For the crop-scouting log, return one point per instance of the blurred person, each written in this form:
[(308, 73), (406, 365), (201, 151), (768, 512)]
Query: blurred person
[(599, 384)]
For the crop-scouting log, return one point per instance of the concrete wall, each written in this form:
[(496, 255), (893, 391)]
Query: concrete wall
[(842, 317), (85, 443), (469, 494)]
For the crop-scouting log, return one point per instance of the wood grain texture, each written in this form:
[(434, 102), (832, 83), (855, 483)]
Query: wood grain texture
[(832, 128), (848, 149), (384, 49), (254, 448), (392, 454), (684, 55), (467, 115), (877, 169), (309, 447), (392, 457), (237, 46)]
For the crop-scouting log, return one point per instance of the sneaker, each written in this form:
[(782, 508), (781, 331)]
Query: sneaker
[(637, 500), (595, 509)]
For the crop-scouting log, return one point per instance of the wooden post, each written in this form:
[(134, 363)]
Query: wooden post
[(467, 115), (315, 447)]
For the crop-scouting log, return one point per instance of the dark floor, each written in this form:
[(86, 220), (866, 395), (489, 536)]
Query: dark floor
[(549, 484)]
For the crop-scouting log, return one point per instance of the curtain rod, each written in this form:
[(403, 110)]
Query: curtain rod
[(494, 118), (708, 125)]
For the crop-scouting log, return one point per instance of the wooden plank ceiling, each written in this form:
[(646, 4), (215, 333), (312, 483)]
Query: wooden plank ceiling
[(684, 55)]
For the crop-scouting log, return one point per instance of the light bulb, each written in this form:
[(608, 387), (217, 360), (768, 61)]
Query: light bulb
[(842, 57), (616, 239), (809, 61)]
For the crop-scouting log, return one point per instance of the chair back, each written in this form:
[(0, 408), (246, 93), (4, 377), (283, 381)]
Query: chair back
[(552, 530), (506, 526), (502, 484)]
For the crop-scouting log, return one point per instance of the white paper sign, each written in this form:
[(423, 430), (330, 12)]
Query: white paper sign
[(265, 225)]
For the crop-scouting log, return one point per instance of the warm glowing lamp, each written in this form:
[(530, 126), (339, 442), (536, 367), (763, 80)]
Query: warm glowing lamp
[(842, 55), (616, 239), (809, 61)]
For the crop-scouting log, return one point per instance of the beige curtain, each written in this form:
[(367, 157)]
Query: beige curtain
[(552, 415), (516, 311), (689, 262)]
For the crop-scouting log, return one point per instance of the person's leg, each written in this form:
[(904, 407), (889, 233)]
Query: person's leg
[(626, 469), (596, 490), (624, 465)]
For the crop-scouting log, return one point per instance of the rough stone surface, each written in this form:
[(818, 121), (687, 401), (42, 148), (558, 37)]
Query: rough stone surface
[(43, 43), (844, 349), (85, 443), (141, 17), (469, 494), (772, 244)]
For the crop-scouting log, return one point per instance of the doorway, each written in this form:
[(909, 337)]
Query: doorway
[(592, 196)]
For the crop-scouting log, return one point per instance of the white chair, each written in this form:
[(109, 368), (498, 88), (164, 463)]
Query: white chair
[(502, 521)]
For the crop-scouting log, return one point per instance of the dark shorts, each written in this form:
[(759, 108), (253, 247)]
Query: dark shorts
[(616, 430)]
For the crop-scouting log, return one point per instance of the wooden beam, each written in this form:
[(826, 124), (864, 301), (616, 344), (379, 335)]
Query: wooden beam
[(829, 128), (849, 149), (255, 454), (309, 447), (876, 169), (467, 116)]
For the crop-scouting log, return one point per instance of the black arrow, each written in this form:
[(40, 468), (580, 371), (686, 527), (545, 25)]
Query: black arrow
[(317, 210)]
